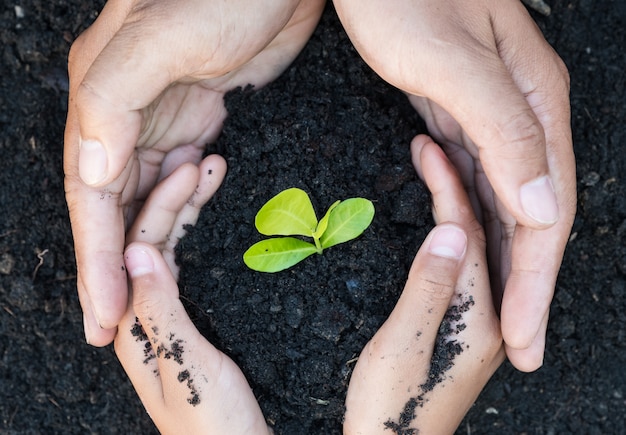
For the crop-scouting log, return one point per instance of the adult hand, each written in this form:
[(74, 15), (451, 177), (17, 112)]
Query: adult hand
[(147, 81), (184, 382), (415, 375), (495, 96)]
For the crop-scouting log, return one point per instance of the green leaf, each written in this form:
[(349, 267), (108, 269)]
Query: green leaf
[(274, 255), (323, 224), (288, 213), (347, 221)]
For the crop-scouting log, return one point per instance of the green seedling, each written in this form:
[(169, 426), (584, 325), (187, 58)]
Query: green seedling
[(290, 213)]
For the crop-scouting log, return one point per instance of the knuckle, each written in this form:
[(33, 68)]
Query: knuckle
[(522, 131), (562, 72), (565, 74), (147, 306), (381, 350), (437, 286), (477, 233), (75, 54)]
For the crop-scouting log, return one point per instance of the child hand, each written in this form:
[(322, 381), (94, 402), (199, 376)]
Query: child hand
[(184, 382), (415, 374)]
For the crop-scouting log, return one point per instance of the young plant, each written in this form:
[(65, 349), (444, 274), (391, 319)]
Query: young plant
[(290, 213)]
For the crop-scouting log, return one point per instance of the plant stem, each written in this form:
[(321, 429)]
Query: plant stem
[(318, 245)]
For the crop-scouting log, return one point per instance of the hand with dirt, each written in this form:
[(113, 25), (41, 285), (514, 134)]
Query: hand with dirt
[(495, 96), (428, 362), (184, 382), (147, 81)]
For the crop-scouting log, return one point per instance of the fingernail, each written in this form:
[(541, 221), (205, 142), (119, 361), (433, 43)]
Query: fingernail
[(448, 241), (539, 200), (92, 162), (138, 262), (87, 329)]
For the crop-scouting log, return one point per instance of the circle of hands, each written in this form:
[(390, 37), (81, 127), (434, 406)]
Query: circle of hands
[(144, 101)]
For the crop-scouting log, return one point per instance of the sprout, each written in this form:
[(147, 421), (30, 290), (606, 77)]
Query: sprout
[(290, 213)]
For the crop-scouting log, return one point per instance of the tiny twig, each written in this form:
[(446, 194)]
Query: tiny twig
[(352, 361), (8, 310), (538, 5), (40, 257), (6, 233)]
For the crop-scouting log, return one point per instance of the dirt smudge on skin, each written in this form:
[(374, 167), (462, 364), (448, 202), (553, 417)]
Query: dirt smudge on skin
[(174, 352), (447, 348), (194, 397), (140, 335)]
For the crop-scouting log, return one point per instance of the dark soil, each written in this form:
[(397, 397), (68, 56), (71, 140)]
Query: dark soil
[(332, 128)]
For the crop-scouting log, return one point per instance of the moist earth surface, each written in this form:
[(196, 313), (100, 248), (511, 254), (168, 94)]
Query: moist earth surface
[(330, 126)]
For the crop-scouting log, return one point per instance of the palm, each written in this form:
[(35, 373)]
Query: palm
[(176, 128)]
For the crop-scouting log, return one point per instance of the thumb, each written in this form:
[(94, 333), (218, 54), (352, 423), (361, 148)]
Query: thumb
[(510, 139), (430, 286), (131, 69), (479, 70), (518, 104), (91, 104), (394, 356), (155, 300), (156, 45), (109, 107), (498, 85), (154, 289)]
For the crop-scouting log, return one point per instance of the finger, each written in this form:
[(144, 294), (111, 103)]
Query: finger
[(511, 146), (450, 201), (212, 171), (536, 256), (169, 331), (98, 229), (101, 287), (94, 334), (530, 358), (84, 51), (431, 284), (202, 389), (444, 183), (536, 259), (156, 219), (543, 81), (452, 205)]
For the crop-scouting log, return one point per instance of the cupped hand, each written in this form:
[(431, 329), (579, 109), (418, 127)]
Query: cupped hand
[(428, 362), (495, 96), (184, 382), (147, 81)]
